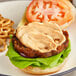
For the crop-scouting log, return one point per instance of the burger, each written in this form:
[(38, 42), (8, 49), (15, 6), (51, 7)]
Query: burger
[(39, 48), (41, 45)]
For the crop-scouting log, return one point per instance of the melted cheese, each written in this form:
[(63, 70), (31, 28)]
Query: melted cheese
[(42, 37)]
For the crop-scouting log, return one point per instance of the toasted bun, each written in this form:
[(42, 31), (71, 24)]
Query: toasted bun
[(73, 9), (39, 71)]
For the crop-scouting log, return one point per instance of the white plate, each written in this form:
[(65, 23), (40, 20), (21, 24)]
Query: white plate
[(14, 10)]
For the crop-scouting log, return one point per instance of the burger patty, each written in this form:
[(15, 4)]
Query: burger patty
[(30, 53)]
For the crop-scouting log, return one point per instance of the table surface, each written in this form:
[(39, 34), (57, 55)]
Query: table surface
[(73, 73)]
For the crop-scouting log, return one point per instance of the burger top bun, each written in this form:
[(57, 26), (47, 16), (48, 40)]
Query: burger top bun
[(70, 15), (73, 11)]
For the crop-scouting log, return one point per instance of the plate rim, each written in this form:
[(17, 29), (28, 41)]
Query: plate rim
[(14, 1), (58, 74)]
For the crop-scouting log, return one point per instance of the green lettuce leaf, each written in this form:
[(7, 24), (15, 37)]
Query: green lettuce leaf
[(43, 63)]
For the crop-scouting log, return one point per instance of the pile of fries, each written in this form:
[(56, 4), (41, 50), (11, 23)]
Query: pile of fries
[(6, 28)]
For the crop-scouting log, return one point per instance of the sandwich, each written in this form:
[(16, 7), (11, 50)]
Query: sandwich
[(40, 44), (39, 48)]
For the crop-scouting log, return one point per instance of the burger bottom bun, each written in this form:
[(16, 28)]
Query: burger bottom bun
[(39, 71)]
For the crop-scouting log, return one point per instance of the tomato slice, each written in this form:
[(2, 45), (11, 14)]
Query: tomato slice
[(49, 10)]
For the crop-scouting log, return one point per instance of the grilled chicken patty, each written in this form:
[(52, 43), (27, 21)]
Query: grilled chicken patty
[(30, 53)]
